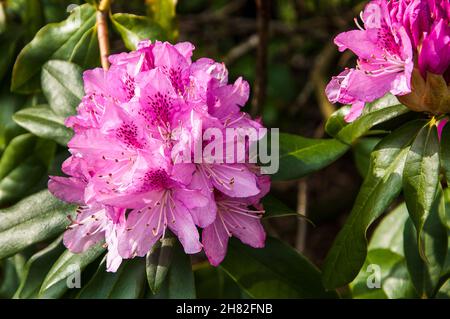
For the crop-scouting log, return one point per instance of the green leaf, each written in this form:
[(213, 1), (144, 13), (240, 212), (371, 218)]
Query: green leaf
[(36, 268), (213, 283), (86, 52), (374, 113), (8, 44), (445, 152), (126, 283), (158, 262), (300, 156), (275, 271), (361, 153), (67, 264), (133, 29), (276, 208), (32, 220), (336, 122), (393, 277), (9, 104), (421, 176), (386, 255), (389, 233), (43, 122), (382, 185), (163, 13), (426, 274), (33, 17), (62, 84), (179, 283), (23, 165), (444, 291), (54, 41), (10, 274)]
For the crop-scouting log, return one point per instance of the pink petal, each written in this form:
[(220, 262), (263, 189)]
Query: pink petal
[(184, 228), (215, 242), (355, 111), (226, 100), (185, 49), (113, 258), (68, 189), (141, 232), (362, 42), (236, 180), (248, 229), (88, 230)]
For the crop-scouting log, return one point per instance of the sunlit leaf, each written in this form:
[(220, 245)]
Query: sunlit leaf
[(133, 29), (43, 122), (32, 220), (53, 41), (381, 186)]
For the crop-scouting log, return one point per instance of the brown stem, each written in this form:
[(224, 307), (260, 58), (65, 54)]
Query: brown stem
[(302, 198), (102, 32), (259, 96)]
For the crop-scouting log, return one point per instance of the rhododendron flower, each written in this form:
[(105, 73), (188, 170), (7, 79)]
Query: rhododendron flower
[(396, 37), (239, 217), (132, 126)]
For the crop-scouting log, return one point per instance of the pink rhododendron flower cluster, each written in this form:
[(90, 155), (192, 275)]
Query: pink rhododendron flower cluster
[(122, 170), (401, 45)]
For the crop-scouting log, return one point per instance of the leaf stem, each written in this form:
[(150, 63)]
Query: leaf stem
[(102, 32)]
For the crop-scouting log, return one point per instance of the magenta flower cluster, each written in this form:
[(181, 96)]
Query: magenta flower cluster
[(393, 38), (121, 170)]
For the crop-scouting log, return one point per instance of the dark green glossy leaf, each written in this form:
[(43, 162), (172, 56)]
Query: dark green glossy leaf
[(127, 283), (385, 262), (336, 121), (86, 52), (382, 185), (426, 272), (8, 44), (133, 29), (421, 176), (67, 264), (23, 165), (33, 219), (389, 233), (34, 17), (179, 283), (9, 104), (275, 271), (36, 268), (10, 275), (53, 41), (361, 153), (445, 152), (62, 84), (300, 156), (43, 122), (158, 262), (276, 208), (393, 277), (374, 113), (213, 283)]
